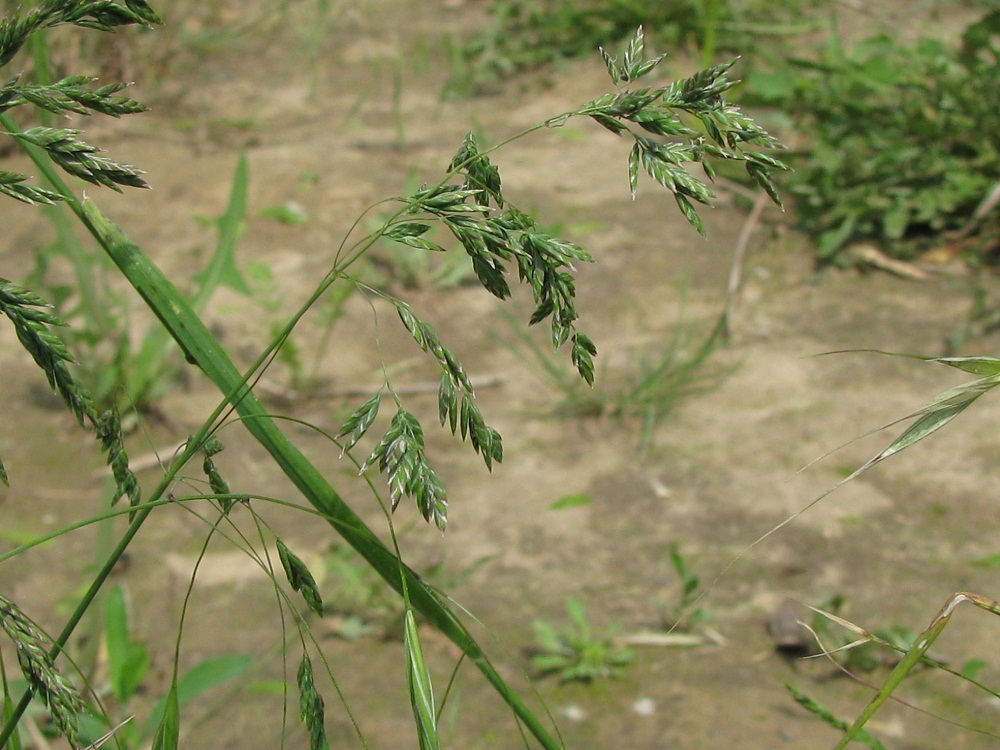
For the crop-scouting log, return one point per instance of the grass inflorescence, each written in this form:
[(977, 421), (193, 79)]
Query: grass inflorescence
[(501, 241)]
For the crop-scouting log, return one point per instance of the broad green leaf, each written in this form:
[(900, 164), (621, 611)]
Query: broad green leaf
[(211, 673), (572, 501), (197, 681), (222, 270), (127, 662)]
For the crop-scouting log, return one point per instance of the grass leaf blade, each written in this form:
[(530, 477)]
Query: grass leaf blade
[(195, 338), (421, 689)]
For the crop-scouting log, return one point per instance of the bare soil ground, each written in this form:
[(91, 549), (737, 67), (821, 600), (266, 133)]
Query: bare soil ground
[(720, 472)]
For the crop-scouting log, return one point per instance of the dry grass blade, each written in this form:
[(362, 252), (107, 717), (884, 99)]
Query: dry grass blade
[(913, 656), (108, 735)]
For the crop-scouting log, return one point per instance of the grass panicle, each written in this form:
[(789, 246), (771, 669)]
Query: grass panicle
[(32, 320), (63, 701), (13, 185), (81, 159), (109, 431), (658, 112), (311, 706), (496, 235), (27, 311), (500, 239), (102, 15), (400, 456), (69, 95)]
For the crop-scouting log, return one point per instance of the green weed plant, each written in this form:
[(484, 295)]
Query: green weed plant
[(900, 142), (126, 375), (527, 34), (502, 242), (574, 652), (468, 203), (646, 391), (682, 611)]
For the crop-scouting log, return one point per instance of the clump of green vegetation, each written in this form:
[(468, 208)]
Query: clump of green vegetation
[(901, 141), (646, 391), (575, 652), (503, 243), (526, 34), (128, 370)]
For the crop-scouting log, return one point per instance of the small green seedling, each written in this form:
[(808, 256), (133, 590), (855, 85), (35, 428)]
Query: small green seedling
[(682, 613), (575, 653), (646, 391)]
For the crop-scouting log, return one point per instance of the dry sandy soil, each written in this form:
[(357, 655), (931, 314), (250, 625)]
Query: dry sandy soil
[(719, 472)]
